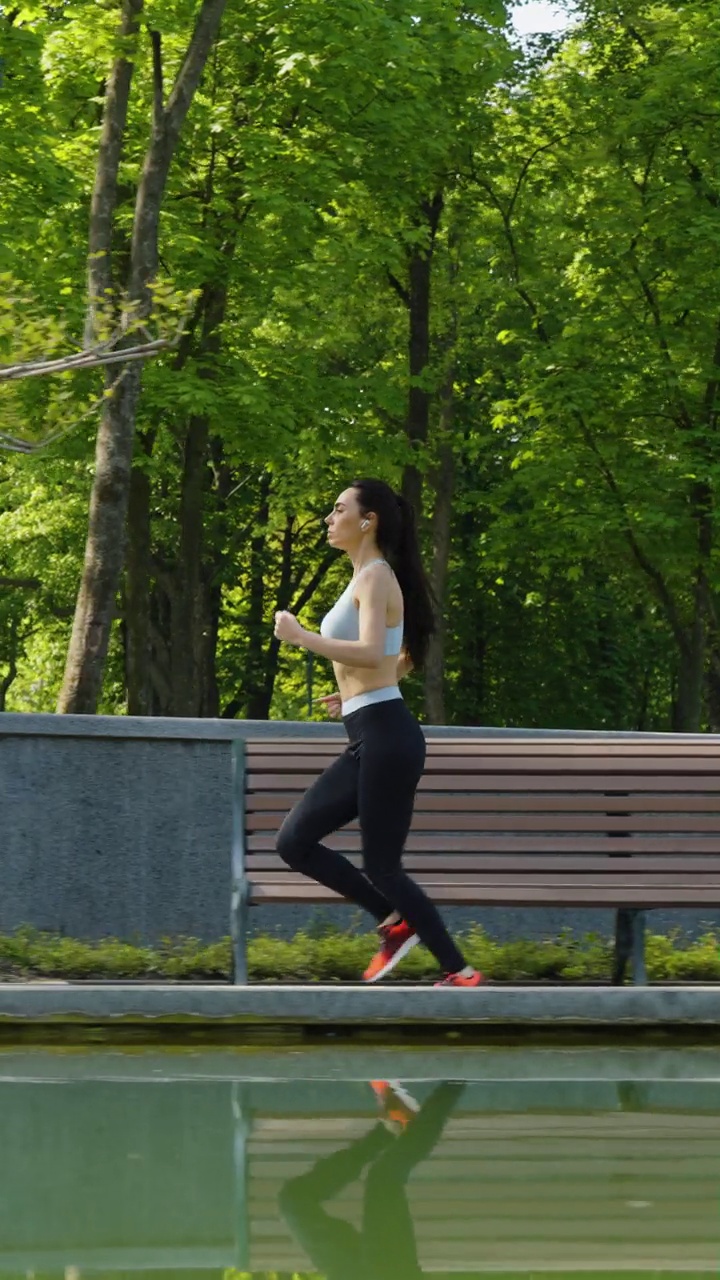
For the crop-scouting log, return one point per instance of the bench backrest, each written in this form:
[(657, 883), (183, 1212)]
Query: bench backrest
[(518, 799)]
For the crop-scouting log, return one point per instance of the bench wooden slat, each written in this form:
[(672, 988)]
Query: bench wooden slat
[(522, 844), (483, 763), (558, 880), (517, 864), (519, 821), (501, 746), (514, 782), (446, 802), (626, 895)]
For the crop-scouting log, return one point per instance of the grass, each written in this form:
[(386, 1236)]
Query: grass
[(328, 954)]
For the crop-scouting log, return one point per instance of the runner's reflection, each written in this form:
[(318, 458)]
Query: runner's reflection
[(384, 1248)]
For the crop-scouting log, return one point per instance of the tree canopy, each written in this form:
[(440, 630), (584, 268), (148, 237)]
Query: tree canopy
[(410, 246)]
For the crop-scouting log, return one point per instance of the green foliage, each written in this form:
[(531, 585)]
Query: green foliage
[(575, 279), (329, 955)]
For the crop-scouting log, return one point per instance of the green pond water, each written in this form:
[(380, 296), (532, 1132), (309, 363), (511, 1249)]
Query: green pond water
[(293, 1163)]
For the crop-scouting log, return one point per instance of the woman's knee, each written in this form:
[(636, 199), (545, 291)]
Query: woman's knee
[(289, 845)]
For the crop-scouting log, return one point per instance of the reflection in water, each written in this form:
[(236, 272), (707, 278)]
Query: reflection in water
[(213, 1166), (384, 1246)]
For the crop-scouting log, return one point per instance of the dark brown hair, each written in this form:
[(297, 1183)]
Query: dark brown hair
[(397, 539)]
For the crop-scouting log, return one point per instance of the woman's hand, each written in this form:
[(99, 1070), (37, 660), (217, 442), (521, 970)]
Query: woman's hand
[(288, 628), (333, 704)]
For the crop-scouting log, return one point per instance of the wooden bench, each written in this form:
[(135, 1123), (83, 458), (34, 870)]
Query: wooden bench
[(525, 822)]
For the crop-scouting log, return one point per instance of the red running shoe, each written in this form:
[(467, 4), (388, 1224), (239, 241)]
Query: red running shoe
[(397, 940), (458, 980), (398, 1107)]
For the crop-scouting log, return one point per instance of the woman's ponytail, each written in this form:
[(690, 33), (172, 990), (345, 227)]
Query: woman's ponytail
[(397, 539)]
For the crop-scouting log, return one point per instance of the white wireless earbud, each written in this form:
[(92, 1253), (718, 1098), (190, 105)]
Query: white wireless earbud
[(365, 524)]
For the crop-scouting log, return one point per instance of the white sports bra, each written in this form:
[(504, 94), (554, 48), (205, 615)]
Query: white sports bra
[(343, 622)]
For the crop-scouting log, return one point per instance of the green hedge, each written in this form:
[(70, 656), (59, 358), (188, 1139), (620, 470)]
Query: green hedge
[(328, 955)]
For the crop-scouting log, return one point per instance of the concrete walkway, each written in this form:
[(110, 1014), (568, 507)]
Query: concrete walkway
[(286, 1008)]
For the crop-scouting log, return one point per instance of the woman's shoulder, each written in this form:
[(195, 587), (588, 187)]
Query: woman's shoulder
[(378, 571)]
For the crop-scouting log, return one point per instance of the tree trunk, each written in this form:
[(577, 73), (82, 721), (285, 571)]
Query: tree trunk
[(211, 693), (188, 613), (138, 648), (258, 706), (417, 298), (12, 671), (253, 695), (712, 694), (193, 631), (104, 551), (105, 189), (688, 703), (161, 596), (444, 486), (688, 709), (104, 548)]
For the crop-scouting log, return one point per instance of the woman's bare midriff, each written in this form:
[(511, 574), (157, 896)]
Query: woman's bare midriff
[(354, 680)]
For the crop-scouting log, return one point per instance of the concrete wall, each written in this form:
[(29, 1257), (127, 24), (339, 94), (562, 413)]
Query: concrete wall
[(121, 826), (100, 1173)]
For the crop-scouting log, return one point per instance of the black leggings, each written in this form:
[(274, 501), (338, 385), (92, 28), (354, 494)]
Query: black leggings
[(384, 1248), (375, 780)]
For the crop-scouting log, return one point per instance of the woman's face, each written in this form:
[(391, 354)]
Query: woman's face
[(344, 521)]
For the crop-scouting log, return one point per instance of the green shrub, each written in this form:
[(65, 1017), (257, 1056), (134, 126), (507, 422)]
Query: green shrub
[(324, 953)]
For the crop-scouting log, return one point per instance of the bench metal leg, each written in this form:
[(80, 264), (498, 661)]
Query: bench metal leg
[(623, 944), (241, 1134), (639, 971), (633, 1095), (239, 901), (629, 945), (239, 975)]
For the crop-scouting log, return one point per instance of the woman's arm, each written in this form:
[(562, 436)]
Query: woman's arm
[(369, 650), (404, 665)]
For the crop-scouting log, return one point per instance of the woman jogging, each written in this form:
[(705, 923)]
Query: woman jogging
[(384, 1247), (375, 633)]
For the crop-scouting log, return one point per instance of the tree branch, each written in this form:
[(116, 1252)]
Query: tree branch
[(711, 389), (13, 444), (654, 309), (162, 148), (313, 583), (653, 573), (92, 359), (21, 584), (158, 90), (506, 218), (399, 289), (698, 179), (525, 167), (85, 360), (34, 584)]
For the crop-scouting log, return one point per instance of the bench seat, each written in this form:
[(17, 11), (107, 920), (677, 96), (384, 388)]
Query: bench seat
[(629, 824)]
